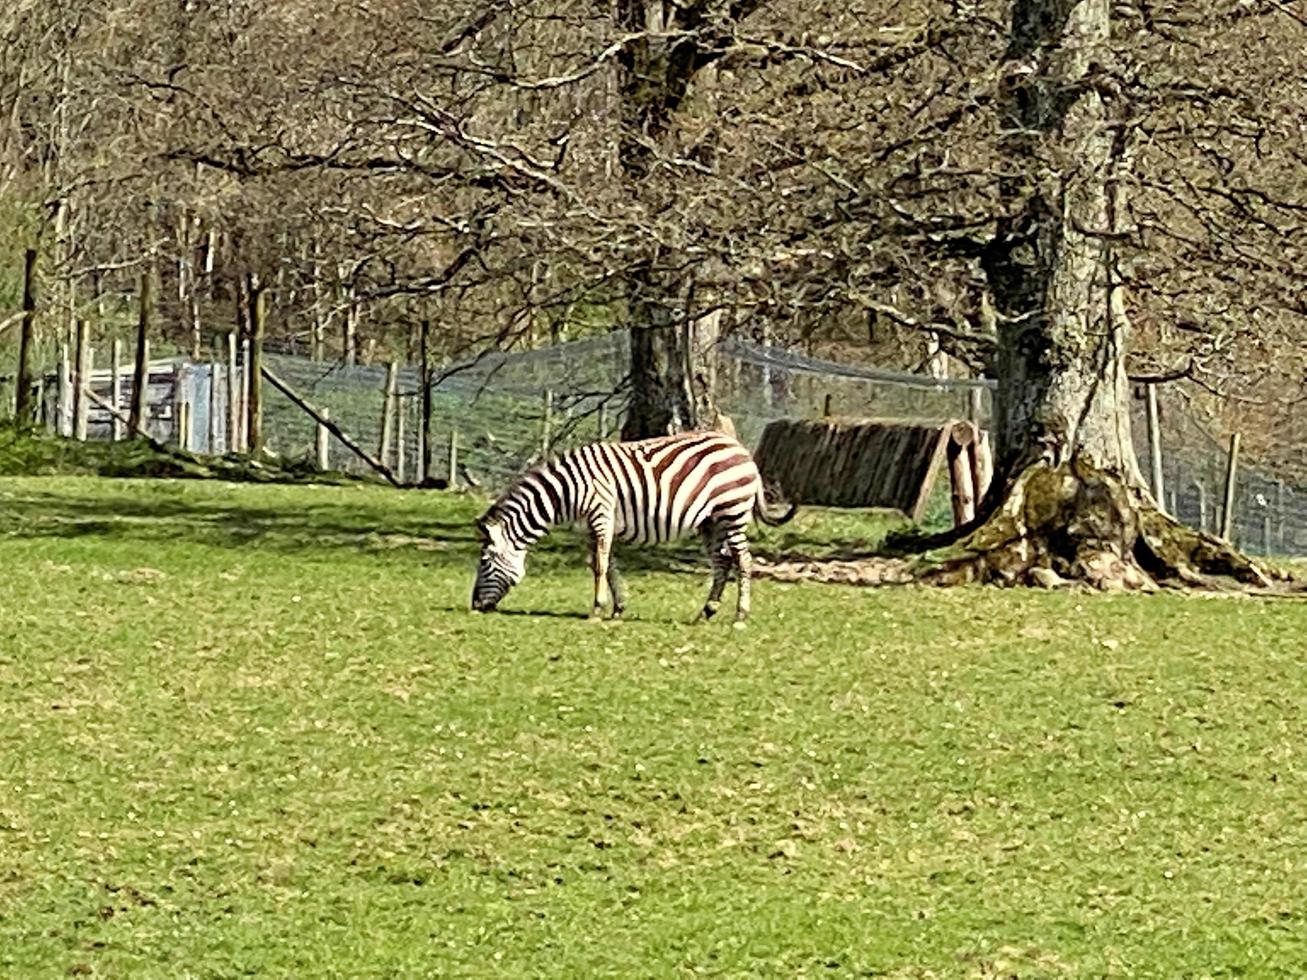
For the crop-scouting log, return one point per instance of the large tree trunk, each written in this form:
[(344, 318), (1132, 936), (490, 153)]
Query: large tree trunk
[(672, 370), (673, 358), (1069, 501)]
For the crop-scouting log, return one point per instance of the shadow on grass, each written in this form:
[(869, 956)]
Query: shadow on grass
[(315, 529)]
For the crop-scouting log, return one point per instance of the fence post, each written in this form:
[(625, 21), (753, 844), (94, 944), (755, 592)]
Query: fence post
[(602, 422), (137, 421), (323, 444), (184, 426), (1231, 480), (24, 407), (453, 459), (401, 457), (546, 421), (1266, 528), (1280, 516), (212, 435), (244, 417), (63, 406), (1155, 446), (85, 360), (975, 404), (233, 397), (254, 366), (115, 389), (388, 413), (428, 452), (1202, 505)]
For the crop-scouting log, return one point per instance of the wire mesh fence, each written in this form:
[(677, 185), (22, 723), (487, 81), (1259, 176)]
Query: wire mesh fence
[(498, 413)]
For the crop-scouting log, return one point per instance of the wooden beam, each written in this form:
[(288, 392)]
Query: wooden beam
[(323, 419)]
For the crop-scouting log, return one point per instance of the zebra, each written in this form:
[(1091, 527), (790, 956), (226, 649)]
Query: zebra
[(647, 491)]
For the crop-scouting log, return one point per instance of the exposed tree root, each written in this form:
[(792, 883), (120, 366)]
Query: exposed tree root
[(1075, 523)]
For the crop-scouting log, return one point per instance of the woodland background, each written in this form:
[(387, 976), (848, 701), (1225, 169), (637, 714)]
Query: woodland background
[(819, 174)]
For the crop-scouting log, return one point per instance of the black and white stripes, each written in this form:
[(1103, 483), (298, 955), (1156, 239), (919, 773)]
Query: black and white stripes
[(644, 492)]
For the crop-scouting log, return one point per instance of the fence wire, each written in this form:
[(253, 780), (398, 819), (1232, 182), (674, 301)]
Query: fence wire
[(505, 411)]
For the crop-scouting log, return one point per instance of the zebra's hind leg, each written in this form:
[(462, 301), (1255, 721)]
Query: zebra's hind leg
[(738, 545), (720, 559), (616, 591)]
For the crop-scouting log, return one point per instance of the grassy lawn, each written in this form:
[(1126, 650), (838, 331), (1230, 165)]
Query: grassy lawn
[(253, 730)]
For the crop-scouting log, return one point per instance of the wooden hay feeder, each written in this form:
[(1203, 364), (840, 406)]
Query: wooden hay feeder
[(875, 463)]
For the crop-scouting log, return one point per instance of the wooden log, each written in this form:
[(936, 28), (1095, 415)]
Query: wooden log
[(346, 440), (25, 407), (388, 413), (961, 473), (1231, 483), (116, 428)]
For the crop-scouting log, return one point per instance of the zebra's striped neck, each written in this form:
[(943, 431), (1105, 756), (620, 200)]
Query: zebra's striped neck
[(543, 497)]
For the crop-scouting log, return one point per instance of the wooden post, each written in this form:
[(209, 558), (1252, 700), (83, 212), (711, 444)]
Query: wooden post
[(976, 406), (184, 426), (388, 414), (1279, 516), (1231, 481), (961, 473), (1266, 528), (428, 453), (115, 389), (1155, 446), (546, 421), (211, 437), (453, 459), (602, 423), (400, 454), (1202, 505), (323, 445), (344, 437), (244, 440), (24, 407), (982, 464), (254, 366), (233, 396), (63, 406), (81, 379), (136, 420)]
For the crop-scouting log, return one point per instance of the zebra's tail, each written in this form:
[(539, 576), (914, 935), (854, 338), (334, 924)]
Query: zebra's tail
[(760, 511)]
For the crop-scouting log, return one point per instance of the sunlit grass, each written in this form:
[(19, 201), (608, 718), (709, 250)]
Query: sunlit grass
[(255, 730)]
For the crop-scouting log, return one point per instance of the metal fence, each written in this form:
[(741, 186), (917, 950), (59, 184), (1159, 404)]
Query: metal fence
[(503, 411)]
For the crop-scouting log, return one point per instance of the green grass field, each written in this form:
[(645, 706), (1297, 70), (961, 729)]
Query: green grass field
[(254, 730)]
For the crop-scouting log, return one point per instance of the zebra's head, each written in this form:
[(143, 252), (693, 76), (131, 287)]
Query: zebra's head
[(501, 566)]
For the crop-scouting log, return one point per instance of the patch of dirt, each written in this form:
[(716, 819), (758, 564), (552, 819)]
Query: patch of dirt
[(875, 570)]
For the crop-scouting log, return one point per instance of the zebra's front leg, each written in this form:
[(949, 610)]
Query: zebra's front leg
[(601, 544), (721, 569)]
